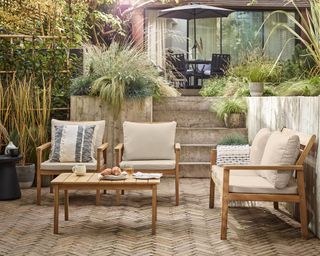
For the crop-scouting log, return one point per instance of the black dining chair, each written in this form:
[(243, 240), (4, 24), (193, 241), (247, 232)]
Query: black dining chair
[(219, 64), (179, 69)]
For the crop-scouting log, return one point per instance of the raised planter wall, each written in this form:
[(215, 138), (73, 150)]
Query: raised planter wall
[(301, 114)]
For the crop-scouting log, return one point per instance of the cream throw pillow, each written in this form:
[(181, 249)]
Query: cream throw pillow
[(149, 141), (98, 131), (280, 150), (73, 143), (258, 145)]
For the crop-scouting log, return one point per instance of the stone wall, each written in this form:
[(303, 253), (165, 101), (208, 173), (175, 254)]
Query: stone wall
[(301, 114)]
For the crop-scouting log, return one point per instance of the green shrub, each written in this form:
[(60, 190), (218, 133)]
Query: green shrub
[(82, 85), (299, 88), (213, 87), (229, 106), (234, 139)]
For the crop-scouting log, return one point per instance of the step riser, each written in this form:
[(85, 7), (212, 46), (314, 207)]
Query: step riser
[(189, 118), (195, 171), (205, 136), (195, 154)]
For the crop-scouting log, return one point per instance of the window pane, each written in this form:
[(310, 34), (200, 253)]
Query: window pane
[(240, 34), (208, 38), (280, 37)]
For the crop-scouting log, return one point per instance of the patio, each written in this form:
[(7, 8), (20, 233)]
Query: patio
[(163, 115), (189, 229)]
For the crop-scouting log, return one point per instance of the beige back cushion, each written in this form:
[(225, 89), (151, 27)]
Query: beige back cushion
[(258, 145), (98, 132), (280, 150), (149, 141)]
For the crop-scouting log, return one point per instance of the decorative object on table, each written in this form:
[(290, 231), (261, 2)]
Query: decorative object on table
[(9, 147), (113, 174), (145, 176), (231, 111), (79, 170), (14, 152)]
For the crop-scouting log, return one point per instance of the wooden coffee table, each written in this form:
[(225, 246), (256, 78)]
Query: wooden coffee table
[(67, 181)]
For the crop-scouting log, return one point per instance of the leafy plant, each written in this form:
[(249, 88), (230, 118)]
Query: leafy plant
[(82, 85), (234, 139), (229, 106), (255, 67)]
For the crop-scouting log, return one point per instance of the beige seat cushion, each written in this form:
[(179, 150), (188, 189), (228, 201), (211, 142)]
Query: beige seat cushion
[(149, 164), (47, 165), (98, 133), (246, 181), (258, 145), (149, 141), (281, 149)]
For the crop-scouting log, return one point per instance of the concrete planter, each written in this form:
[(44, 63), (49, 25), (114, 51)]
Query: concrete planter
[(256, 88), (25, 175), (235, 120)]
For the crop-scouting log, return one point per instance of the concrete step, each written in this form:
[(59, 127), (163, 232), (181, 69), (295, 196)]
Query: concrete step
[(188, 118), (196, 152), (195, 169), (184, 103), (187, 135)]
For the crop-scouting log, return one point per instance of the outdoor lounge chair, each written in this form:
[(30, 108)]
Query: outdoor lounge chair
[(150, 148), (51, 167), (274, 157)]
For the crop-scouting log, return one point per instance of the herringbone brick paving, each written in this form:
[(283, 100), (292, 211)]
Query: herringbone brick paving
[(189, 229)]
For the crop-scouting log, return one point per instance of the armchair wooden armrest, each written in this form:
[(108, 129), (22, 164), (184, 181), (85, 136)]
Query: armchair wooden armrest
[(40, 150), (119, 152), (264, 167), (101, 151), (177, 147)]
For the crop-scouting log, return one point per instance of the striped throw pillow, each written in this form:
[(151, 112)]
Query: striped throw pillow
[(73, 143)]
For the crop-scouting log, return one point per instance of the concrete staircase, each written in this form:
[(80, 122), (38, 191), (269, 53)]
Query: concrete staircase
[(198, 131)]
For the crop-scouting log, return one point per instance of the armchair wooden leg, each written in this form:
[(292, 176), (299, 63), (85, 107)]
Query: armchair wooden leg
[(211, 197), (276, 205), (302, 206), (224, 218), (38, 188), (177, 189), (98, 197)]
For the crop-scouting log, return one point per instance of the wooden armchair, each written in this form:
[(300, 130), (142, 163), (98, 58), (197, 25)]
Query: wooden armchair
[(145, 157), (243, 183), (48, 168)]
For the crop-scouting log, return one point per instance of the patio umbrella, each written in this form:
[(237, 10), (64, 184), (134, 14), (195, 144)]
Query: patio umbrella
[(194, 11)]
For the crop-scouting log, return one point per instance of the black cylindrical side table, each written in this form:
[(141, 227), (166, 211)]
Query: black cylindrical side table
[(9, 185)]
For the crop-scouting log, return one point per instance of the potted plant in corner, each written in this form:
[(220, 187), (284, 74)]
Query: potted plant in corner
[(232, 112)]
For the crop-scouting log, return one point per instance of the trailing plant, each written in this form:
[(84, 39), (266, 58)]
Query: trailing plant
[(234, 139), (308, 23), (310, 87), (229, 106), (25, 113)]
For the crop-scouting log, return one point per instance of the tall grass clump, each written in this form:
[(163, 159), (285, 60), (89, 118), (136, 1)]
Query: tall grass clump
[(122, 72), (25, 114)]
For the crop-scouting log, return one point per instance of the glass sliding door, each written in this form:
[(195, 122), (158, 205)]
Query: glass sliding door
[(280, 37), (208, 38), (240, 34)]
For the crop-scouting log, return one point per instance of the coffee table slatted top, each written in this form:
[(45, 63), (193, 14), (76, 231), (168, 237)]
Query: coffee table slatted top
[(92, 178)]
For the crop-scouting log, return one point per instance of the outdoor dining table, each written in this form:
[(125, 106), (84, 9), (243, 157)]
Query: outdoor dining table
[(197, 72)]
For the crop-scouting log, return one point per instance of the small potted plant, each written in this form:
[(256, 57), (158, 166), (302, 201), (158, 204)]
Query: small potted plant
[(232, 112)]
